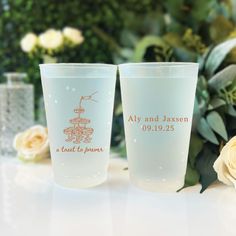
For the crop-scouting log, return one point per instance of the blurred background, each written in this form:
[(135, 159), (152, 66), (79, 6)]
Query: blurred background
[(114, 31)]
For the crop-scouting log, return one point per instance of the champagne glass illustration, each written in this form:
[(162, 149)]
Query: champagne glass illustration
[(79, 132), (79, 100)]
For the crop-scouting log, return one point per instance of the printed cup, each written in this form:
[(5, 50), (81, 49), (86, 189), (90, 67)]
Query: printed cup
[(79, 102), (158, 100)]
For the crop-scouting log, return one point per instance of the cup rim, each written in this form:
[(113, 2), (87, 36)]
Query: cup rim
[(163, 64), (157, 69), (77, 65)]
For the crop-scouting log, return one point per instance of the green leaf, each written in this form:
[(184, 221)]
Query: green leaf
[(184, 54), (233, 8), (196, 110), (126, 53), (202, 95), (153, 23), (201, 9), (204, 165), (205, 130), (220, 28), (175, 8), (217, 124), (128, 38), (144, 44), (181, 53), (218, 54), (119, 109), (196, 115), (195, 148), (231, 110), (202, 83), (232, 126), (49, 59), (120, 149), (191, 177), (216, 103), (223, 78), (173, 39)]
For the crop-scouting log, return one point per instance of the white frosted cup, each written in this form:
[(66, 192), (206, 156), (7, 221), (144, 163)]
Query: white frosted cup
[(79, 102), (158, 100)]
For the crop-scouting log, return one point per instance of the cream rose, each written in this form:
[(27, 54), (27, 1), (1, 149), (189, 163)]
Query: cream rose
[(29, 42), (225, 165), (51, 39), (32, 144), (73, 35)]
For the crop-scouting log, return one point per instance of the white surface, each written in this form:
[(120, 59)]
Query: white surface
[(31, 204)]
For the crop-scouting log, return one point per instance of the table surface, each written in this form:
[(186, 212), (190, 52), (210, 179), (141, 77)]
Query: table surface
[(31, 204)]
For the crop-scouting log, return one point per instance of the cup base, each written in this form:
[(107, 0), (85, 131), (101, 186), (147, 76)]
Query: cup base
[(156, 186), (74, 183)]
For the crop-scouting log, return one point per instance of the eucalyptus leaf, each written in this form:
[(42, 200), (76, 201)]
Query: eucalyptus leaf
[(195, 147), (205, 130), (217, 124), (196, 115), (218, 54), (202, 83), (191, 177), (231, 110), (223, 78), (210, 107), (203, 98), (216, 103), (204, 165), (202, 94), (203, 58)]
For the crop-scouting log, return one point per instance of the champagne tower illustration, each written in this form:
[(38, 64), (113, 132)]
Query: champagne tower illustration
[(80, 131)]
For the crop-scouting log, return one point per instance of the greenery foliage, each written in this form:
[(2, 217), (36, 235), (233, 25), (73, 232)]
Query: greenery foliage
[(202, 31), (148, 30)]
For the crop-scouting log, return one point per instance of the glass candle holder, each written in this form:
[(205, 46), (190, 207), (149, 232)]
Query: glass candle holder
[(16, 110)]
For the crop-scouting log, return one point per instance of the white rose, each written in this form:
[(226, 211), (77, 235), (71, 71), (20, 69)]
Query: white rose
[(51, 39), (73, 35), (225, 165), (29, 42), (32, 144)]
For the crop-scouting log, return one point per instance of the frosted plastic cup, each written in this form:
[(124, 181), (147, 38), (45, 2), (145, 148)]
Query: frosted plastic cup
[(158, 100), (79, 105)]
